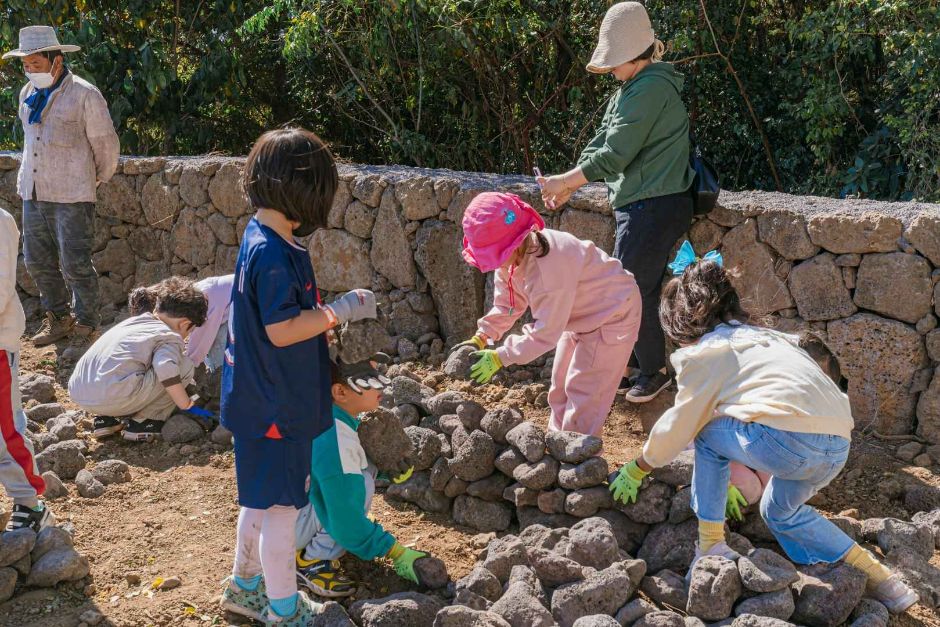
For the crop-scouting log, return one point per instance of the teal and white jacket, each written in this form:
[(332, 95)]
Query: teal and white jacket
[(338, 489)]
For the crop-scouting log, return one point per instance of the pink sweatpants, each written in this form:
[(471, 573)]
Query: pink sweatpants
[(586, 374), (265, 544)]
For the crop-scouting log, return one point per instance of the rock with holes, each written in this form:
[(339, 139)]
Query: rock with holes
[(553, 569), (37, 387), (445, 402), (778, 604), (504, 553), (826, 594), (678, 472), (753, 620), (426, 447), (521, 608), (634, 611), (897, 534), (63, 426), (63, 458), (62, 564), (666, 588), (571, 447), (670, 546), (763, 570), (498, 422), (929, 520), (490, 488), (597, 620), (591, 472), (431, 572), (591, 542), (459, 362), (660, 619), (110, 471), (538, 476), (401, 608), (417, 489), (481, 515), (603, 592), (713, 588), (680, 509), (588, 501), (483, 582), (507, 461), (652, 504), (472, 600), (54, 486), (88, 486), (529, 439), (14, 545), (474, 458), (180, 429), (526, 575), (385, 441), (459, 616)]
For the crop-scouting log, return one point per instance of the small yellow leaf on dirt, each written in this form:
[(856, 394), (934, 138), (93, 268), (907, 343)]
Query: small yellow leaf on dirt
[(156, 583)]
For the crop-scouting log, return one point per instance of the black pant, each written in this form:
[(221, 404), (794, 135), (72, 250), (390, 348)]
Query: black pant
[(646, 232)]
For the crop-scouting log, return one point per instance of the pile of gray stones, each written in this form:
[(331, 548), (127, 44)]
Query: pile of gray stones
[(30, 560), (580, 559)]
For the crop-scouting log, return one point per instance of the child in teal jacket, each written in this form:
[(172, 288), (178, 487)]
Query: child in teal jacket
[(342, 484)]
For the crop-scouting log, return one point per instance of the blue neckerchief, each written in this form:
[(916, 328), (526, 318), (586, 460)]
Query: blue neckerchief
[(38, 100)]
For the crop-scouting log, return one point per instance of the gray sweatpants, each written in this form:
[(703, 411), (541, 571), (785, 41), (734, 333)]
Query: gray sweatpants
[(18, 472), (150, 401), (311, 535)]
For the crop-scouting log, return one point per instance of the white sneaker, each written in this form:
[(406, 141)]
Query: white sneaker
[(894, 594), (721, 549)]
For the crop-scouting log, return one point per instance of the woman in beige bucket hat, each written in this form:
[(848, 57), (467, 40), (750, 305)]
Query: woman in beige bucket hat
[(641, 152)]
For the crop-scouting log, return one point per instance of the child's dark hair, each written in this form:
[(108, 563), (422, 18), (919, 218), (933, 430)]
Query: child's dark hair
[(543, 246), (143, 299), (814, 345), (292, 171), (698, 300), (179, 298)]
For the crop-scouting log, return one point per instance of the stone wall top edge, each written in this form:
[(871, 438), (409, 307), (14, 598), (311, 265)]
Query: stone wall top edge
[(748, 202)]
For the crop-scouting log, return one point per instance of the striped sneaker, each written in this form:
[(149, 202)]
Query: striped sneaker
[(24, 517), (247, 603)]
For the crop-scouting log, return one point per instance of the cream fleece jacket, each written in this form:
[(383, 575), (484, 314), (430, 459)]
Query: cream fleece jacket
[(751, 374), (12, 319)]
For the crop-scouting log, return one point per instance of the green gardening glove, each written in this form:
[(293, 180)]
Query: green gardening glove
[(487, 365), (404, 560), (627, 483), (736, 502)]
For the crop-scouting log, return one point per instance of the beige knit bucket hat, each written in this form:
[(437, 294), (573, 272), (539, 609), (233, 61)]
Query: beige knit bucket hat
[(626, 33)]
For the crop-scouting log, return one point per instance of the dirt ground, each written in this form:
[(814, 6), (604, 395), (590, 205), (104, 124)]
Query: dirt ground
[(177, 518)]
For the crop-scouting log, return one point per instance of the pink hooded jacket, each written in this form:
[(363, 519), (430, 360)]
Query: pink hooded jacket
[(576, 287)]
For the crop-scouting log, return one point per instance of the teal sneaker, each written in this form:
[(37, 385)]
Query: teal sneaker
[(306, 613), (248, 603)]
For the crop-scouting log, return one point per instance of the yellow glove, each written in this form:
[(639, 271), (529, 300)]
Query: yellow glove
[(478, 341)]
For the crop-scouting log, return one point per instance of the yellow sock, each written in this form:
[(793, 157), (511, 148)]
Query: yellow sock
[(710, 534), (868, 564)]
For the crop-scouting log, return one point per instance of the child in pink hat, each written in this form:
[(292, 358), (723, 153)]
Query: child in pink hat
[(584, 305)]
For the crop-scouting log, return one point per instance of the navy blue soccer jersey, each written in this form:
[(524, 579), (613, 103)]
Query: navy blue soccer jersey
[(262, 384)]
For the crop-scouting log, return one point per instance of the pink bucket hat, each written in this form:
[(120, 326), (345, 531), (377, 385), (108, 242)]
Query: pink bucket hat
[(494, 225)]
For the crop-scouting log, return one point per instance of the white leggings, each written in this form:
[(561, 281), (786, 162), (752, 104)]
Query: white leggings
[(266, 546)]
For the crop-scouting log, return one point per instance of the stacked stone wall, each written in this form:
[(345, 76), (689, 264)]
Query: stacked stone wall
[(863, 274)]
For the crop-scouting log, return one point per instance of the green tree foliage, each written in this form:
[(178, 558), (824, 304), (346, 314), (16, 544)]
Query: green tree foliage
[(807, 96)]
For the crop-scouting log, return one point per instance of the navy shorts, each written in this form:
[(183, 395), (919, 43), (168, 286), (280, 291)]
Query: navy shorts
[(272, 472)]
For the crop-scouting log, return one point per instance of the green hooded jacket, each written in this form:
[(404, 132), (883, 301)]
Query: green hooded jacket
[(642, 148)]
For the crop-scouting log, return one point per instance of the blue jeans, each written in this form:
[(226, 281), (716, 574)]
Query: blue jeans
[(800, 464), (58, 239)]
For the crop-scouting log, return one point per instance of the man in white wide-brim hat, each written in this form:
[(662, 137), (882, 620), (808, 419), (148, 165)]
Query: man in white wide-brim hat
[(69, 148)]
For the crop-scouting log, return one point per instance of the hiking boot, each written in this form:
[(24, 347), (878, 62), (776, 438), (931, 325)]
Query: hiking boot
[(24, 517), (306, 613), (647, 387), (894, 594), (83, 335), (324, 578), (248, 603), (721, 549), (105, 426), (53, 329), (142, 430)]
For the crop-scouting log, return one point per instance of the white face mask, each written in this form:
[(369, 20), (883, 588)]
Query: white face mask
[(40, 80)]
